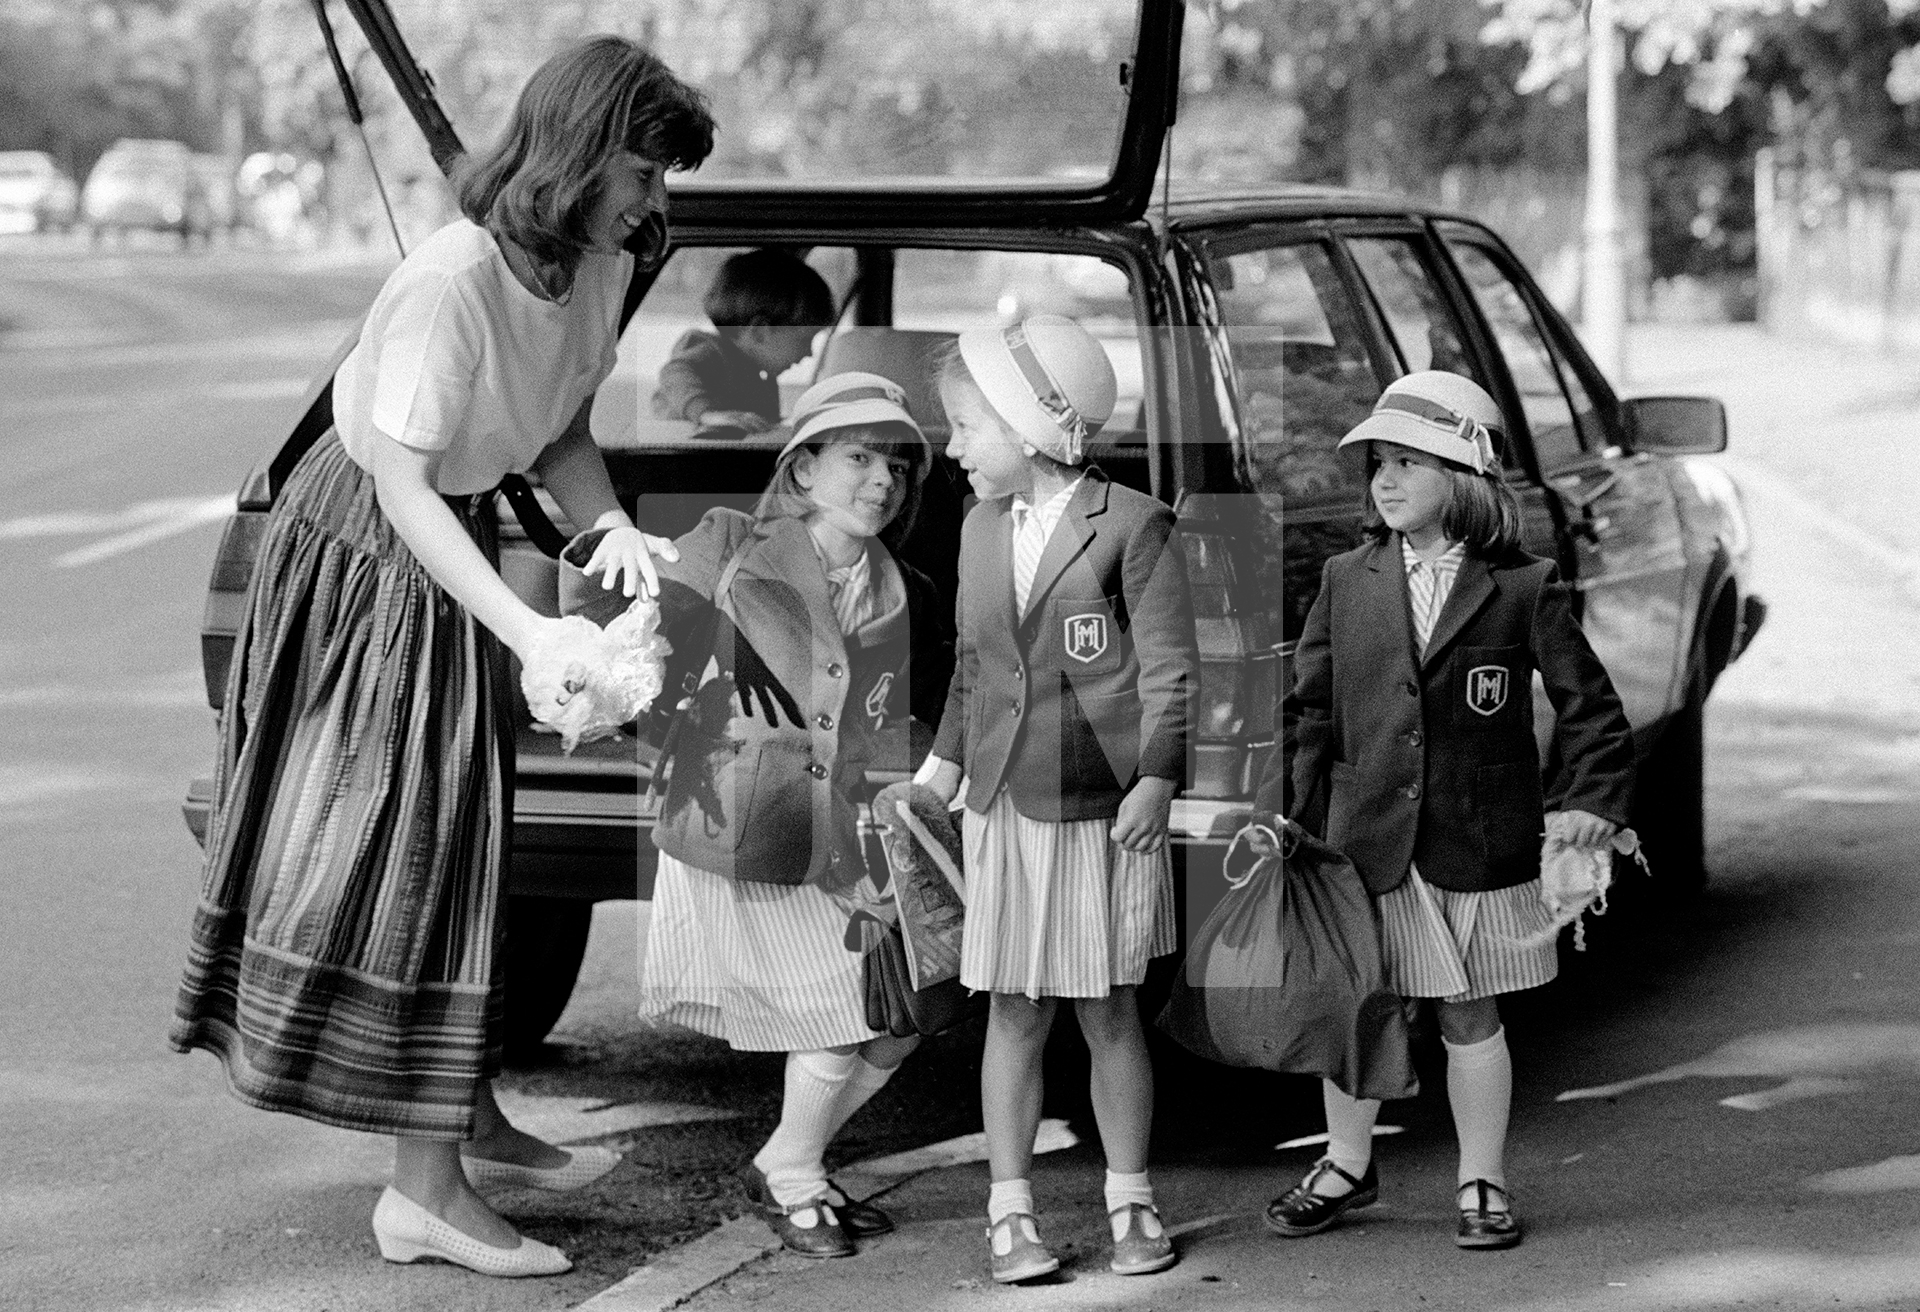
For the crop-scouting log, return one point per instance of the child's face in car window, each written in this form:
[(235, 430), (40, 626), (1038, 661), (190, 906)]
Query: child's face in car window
[(776, 347), (856, 488), (981, 444)]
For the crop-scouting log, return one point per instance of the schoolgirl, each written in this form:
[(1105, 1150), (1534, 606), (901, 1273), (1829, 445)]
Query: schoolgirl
[(1068, 717), (1410, 725), (828, 640), (344, 953)]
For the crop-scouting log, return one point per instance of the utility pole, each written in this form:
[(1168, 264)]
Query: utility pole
[(1604, 289)]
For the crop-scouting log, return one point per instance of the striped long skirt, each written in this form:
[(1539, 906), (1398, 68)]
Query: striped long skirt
[(343, 953)]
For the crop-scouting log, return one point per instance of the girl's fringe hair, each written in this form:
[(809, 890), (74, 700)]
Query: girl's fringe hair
[(784, 498), (537, 183), (1481, 511)]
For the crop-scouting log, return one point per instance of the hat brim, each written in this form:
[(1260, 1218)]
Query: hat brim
[(1405, 430), (857, 414), (984, 352)]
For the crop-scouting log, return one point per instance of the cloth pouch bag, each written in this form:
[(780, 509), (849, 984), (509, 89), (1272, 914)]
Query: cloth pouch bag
[(1286, 975)]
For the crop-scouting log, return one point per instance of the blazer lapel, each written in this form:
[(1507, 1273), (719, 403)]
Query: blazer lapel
[(1472, 588), (787, 554), (1069, 538), (1390, 597)]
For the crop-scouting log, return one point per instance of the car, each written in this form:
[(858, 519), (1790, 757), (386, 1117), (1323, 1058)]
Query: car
[(1251, 327), (36, 195), (146, 185)]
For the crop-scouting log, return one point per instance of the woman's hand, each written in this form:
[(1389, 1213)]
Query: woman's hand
[(1141, 825), (1581, 828), (625, 556)]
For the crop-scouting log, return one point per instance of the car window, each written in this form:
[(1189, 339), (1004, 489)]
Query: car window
[(949, 291), (1559, 412), (671, 323), (1304, 378), (1424, 328)]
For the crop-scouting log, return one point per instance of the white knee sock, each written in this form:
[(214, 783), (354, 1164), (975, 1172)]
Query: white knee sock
[(1006, 1197), (1480, 1091), (1349, 1137), (793, 1157), (865, 1081)]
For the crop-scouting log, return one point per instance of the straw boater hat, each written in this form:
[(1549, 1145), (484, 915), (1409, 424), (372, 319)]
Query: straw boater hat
[(849, 400), (1048, 378), (1440, 413)]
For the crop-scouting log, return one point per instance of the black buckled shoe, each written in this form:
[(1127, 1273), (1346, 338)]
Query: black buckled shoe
[(862, 1220), (1480, 1226), (825, 1237), (1300, 1211)]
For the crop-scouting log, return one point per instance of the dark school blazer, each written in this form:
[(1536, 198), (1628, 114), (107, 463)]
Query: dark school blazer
[(1070, 703), (1431, 760), (780, 799)]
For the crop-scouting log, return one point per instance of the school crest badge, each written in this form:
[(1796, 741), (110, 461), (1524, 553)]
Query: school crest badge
[(1085, 636), (877, 699), (1486, 688)]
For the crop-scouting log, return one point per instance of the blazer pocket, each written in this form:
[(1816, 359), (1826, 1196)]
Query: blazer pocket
[(1105, 743), (1511, 810), (774, 818), (1491, 689), (1090, 641)]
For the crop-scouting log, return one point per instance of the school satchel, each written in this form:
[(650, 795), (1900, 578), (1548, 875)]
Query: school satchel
[(1286, 974)]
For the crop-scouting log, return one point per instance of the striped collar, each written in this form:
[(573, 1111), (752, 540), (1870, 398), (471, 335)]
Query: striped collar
[(1448, 562)]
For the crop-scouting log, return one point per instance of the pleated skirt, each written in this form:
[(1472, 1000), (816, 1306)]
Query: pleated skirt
[(763, 966), (1058, 909), (344, 951), (1442, 943)]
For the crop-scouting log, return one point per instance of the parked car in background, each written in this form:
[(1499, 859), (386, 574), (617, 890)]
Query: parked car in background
[(1251, 327), (142, 185), (36, 195)]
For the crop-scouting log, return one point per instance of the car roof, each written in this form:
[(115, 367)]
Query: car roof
[(1204, 203)]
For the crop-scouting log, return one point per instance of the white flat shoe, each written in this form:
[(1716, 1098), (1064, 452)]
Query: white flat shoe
[(582, 1167), (407, 1232)]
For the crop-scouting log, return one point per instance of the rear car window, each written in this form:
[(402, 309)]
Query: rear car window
[(1303, 378), (1424, 328)]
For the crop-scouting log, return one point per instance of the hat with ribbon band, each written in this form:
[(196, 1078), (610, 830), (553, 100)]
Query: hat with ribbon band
[(1048, 378), (1437, 412), (853, 400)]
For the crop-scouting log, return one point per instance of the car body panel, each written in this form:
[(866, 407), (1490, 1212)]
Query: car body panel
[(36, 195)]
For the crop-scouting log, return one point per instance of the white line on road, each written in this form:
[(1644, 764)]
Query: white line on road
[(170, 523), (1902, 566)]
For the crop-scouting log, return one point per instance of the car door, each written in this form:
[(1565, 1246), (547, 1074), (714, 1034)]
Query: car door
[(1620, 509)]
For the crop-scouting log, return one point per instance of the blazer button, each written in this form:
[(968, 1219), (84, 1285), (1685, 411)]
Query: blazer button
[(834, 671), (1016, 710), (1414, 739), (1019, 673), (1411, 791), (825, 721), (817, 770), (1413, 689)]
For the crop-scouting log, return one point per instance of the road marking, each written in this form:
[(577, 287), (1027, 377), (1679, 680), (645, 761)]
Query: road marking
[(573, 1120), (1895, 1173), (1052, 1136), (179, 517), (1309, 1140)]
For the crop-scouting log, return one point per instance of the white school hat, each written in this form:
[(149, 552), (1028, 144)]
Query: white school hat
[(849, 400), (1048, 378), (1437, 412)]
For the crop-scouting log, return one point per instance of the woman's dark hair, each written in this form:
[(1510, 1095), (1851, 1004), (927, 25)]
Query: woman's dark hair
[(1481, 510), (582, 107), (785, 498), (772, 286)]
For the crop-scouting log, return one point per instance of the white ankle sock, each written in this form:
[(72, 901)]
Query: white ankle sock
[(1123, 1188), (1006, 1197), (793, 1157), (1349, 1137), (1480, 1092)]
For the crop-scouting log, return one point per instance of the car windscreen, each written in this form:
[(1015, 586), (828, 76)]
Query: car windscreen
[(826, 94)]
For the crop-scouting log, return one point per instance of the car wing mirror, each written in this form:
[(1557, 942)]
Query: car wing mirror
[(1675, 425)]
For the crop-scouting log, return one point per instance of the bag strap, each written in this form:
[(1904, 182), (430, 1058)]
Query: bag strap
[(533, 518), (704, 644)]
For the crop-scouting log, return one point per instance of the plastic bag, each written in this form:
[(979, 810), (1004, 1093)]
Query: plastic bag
[(1286, 975), (584, 682), (1574, 880)]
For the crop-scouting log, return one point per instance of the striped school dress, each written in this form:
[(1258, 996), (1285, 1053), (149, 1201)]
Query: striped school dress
[(764, 966), (1437, 942), (1057, 909), (343, 962)]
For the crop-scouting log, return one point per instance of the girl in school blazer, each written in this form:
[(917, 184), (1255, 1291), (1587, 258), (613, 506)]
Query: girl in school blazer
[(1068, 713), (1411, 730), (823, 642)]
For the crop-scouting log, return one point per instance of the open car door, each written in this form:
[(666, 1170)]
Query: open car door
[(917, 112)]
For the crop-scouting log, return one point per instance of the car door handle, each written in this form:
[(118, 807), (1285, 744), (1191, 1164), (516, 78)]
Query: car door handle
[(1591, 528)]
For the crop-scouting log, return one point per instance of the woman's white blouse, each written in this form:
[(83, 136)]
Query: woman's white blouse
[(457, 357)]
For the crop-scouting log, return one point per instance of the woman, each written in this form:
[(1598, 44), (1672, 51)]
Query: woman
[(344, 956)]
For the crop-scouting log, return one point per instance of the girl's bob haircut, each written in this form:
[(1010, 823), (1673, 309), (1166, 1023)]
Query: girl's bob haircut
[(536, 184), (785, 498), (1481, 510)]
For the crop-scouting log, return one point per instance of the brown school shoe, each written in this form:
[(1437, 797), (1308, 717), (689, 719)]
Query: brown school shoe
[(1482, 1227), (1143, 1247), (1300, 1211)]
